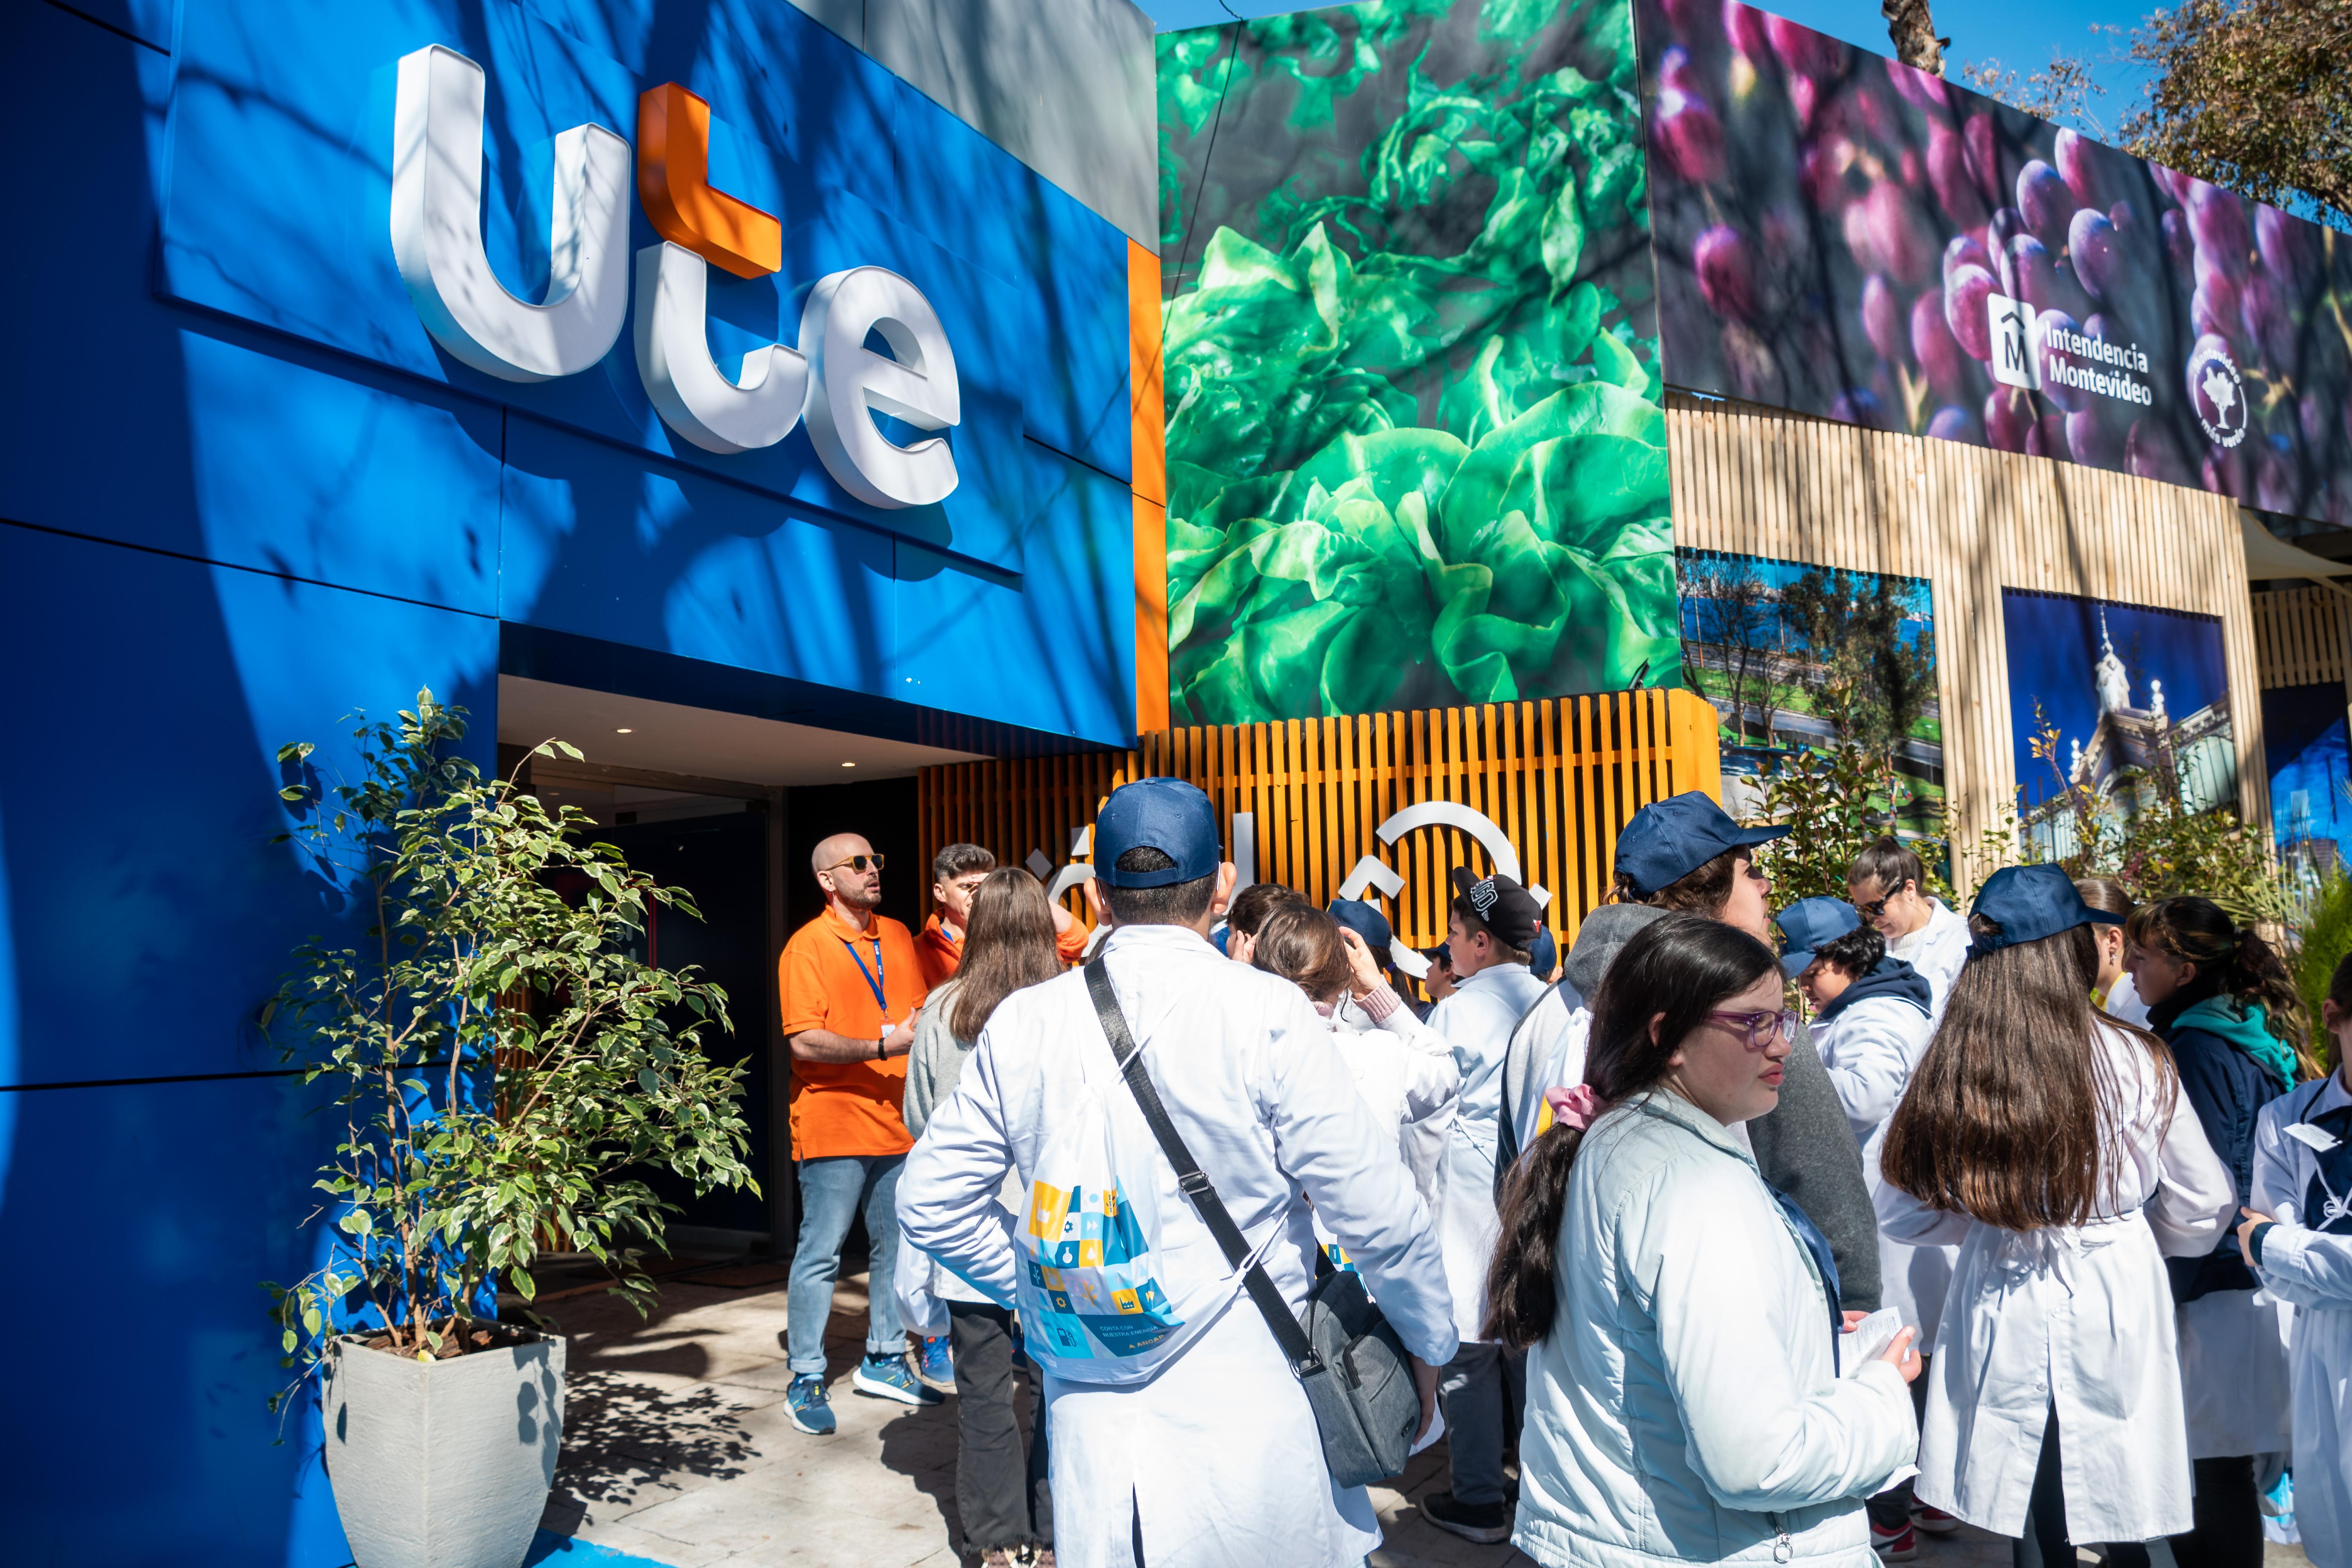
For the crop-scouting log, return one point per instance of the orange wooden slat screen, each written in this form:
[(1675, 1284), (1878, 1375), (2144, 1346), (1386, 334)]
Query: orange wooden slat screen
[(1559, 776)]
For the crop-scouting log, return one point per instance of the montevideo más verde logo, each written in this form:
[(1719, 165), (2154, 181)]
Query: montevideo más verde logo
[(2217, 394)]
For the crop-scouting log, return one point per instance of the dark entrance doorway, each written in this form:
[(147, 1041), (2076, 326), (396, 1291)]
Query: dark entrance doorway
[(723, 861)]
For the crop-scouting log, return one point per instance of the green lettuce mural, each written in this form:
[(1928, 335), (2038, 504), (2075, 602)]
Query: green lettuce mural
[(1416, 456)]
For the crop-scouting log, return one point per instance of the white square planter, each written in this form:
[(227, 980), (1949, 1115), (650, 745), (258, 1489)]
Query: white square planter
[(443, 1464)]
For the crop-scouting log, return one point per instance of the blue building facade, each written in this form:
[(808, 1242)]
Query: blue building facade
[(245, 492)]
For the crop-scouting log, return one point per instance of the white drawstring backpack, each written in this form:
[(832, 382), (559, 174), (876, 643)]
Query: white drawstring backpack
[(1098, 1303)]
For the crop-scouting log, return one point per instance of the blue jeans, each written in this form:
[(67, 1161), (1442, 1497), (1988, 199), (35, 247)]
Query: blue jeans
[(831, 1190)]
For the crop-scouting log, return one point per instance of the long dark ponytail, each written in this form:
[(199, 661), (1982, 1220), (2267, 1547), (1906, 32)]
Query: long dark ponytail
[(2242, 965), (1677, 970)]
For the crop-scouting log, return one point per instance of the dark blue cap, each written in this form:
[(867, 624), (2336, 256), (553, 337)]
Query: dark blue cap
[(1808, 924), (1367, 921), (2030, 902), (1544, 956), (1167, 815), (1668, 839)]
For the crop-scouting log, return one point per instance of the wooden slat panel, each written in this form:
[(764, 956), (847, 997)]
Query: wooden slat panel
[(1559, 777), (1761, 482)]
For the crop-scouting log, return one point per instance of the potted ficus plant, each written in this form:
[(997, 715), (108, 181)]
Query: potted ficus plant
[(505, 1073)]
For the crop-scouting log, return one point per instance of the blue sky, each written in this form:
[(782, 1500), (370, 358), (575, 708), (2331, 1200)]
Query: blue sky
[(2054, 643), (2020, 33)]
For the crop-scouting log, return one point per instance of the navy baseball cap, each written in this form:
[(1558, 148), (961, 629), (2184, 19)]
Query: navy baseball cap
[(1544, 956), (1808, 924), (1167, 815), (1668, 839), (2030, 902), (1360, 916)]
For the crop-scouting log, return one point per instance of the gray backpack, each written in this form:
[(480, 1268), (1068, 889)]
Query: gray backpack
[(1358, 1378)]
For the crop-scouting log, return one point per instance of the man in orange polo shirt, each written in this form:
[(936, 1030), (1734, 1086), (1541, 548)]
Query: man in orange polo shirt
[(850, 985), (957, 872)]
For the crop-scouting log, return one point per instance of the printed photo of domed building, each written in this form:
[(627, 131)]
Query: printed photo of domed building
[(2112, 709)]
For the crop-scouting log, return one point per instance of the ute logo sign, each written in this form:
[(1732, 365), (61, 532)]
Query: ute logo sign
[(829, 375)]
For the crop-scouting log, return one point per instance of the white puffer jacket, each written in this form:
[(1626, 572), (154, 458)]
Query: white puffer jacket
[(1686, 1406)]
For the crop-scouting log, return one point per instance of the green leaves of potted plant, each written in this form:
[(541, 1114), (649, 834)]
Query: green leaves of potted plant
[(505, 1072)]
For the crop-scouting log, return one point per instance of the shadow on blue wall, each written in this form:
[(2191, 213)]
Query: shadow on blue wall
[(146, 913), (217, 535)]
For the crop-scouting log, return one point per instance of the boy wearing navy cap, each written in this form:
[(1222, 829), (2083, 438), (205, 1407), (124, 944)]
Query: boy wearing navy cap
[(1202, 1449), (1685, 853), (1494, 923)]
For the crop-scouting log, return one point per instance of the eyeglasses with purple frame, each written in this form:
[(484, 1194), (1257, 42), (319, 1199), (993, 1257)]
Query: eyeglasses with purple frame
[(1758, 1029)]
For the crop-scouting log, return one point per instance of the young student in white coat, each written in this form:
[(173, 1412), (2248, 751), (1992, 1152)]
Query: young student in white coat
[(1547, 1049), (1683, 1401), (2115, 991), (1404, 1070), (1492, 925), (2054, 1146), (1888, 884), (1870, 1024), (1195, 1448), (2297, 1236), (1870, 1008)]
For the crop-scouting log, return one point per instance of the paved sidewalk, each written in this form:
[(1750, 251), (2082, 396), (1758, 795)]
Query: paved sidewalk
[(678, 1449)]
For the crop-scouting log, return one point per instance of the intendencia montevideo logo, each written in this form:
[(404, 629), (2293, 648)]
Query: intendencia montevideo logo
[(2071, 357), (2053, 355)]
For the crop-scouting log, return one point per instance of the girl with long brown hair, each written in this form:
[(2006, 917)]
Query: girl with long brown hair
[(1404, 1070), (1008, 945), (1679, 1316), (2048, 1141), (2223, 1004)]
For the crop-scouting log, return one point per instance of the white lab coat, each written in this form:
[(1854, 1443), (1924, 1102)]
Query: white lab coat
[(1406, 1072), (2313, 1271), (2078, 1316), (1869, 1049), (1551, 1039), (1218, 1455), (1476, 1021), (1937, 951)]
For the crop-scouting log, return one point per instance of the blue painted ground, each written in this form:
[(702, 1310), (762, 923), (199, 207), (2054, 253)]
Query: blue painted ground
[(569, 1551)]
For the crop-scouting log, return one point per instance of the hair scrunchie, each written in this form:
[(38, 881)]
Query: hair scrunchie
[(1575, 1107)]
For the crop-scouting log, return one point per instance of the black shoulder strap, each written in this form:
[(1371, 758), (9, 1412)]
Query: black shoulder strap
[(1193, 1181)]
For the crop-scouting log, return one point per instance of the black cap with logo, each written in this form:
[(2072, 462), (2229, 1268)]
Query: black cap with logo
[(1503, 907)]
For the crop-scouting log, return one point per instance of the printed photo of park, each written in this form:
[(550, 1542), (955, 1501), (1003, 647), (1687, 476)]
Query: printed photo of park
[(1798, 657)]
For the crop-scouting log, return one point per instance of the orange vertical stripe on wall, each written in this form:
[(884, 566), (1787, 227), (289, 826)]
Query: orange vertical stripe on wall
[(1150, 616), (1150, 436), (1143, 307)]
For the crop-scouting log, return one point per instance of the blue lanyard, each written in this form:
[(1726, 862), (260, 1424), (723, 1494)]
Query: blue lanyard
[(873, 975)]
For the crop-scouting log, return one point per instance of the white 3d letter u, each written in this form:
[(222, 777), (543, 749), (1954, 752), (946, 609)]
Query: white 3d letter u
[(437, 231)]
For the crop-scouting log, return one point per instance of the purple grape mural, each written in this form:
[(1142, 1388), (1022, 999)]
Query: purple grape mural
[(1838, 234)]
